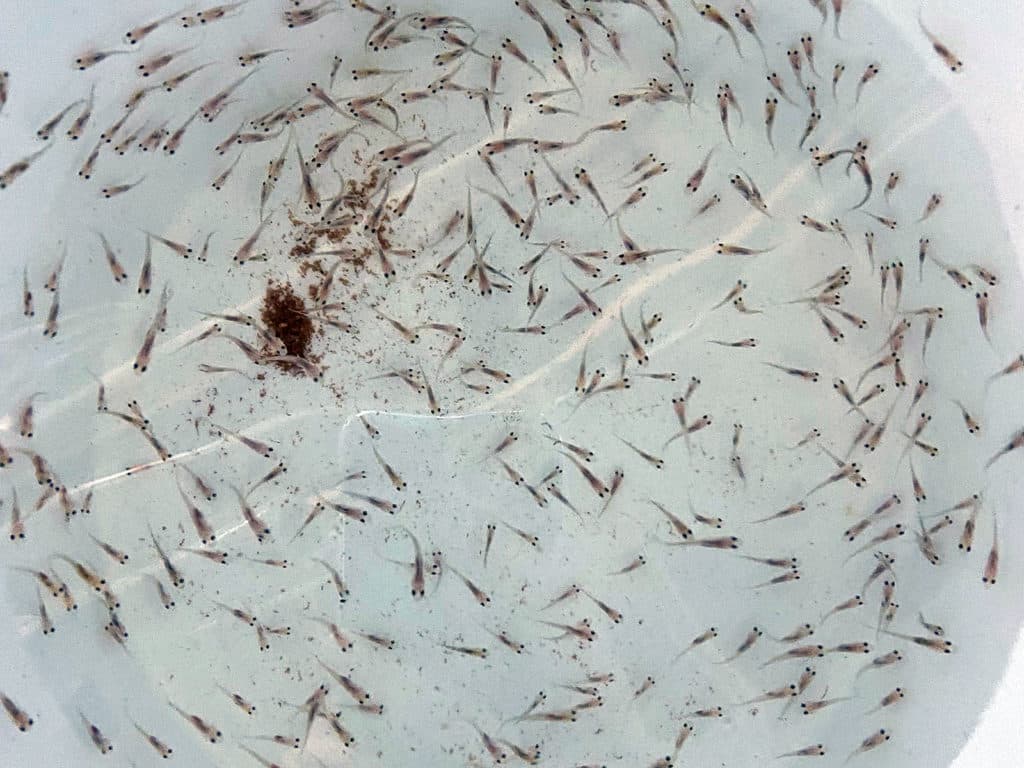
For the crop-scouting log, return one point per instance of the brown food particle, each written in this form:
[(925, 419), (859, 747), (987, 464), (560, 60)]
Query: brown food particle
[(284, 314), (312, 265), (302, 249)]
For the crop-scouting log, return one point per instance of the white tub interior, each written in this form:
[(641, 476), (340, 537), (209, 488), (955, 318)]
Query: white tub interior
[(946, 133)]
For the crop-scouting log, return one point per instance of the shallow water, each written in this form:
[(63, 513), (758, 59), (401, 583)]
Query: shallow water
[(432, 697)]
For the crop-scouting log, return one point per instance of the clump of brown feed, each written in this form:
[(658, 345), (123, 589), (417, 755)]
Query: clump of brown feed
[(284, 314)]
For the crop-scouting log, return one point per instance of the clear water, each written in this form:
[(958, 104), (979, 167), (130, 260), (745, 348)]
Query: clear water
[(432, 697)]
